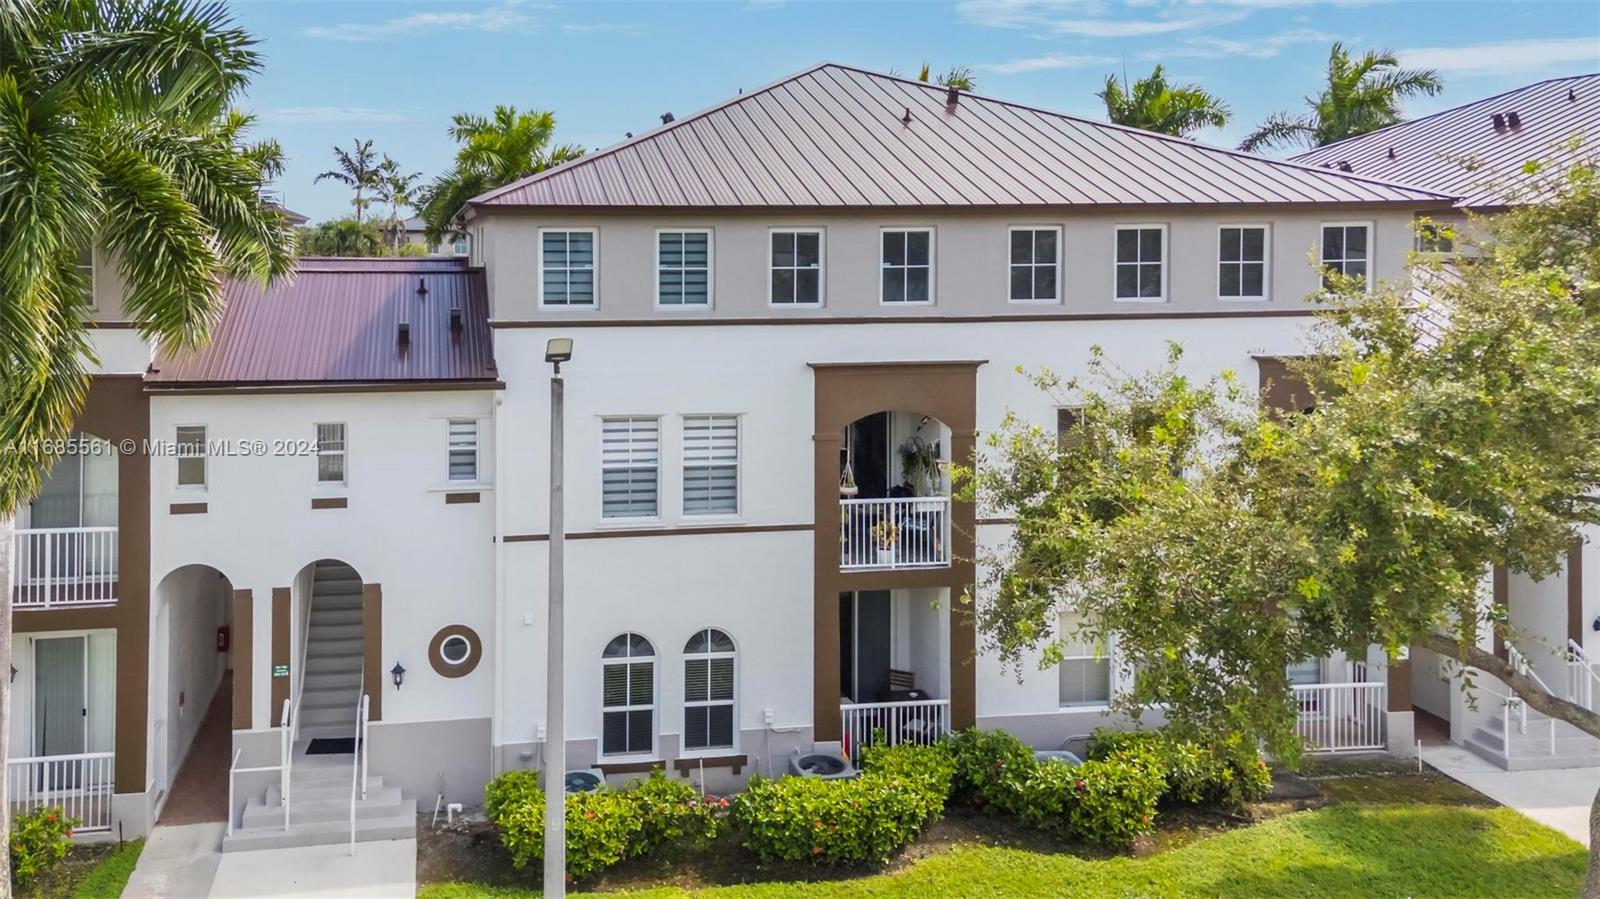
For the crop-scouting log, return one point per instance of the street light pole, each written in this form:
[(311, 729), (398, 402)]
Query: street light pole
[(557, 351)]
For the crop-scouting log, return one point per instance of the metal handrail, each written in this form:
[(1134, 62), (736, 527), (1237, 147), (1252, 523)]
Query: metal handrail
[(361, 740), (286, 733), (1521, 665), (1579, 660), (357, 756)]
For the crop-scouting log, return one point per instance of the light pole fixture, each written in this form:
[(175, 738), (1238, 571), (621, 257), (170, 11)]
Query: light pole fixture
[(398, 672), (556, 351)]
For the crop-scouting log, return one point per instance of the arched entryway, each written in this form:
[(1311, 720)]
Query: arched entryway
[(328, 653), (191, 733)]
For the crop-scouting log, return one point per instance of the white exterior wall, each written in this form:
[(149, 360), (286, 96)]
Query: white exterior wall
[(433, 560)]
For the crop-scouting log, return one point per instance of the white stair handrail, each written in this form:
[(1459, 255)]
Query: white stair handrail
[(1520, 664), (286, 735), (357, 756), (1582, 677)]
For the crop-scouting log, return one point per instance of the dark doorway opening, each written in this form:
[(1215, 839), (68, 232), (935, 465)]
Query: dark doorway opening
[(864, 631)]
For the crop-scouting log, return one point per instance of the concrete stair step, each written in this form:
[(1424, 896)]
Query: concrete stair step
[(344, 680), (379, 804), (316, 731), (399, 826), (324, 786), (325, 644), (318, 716), (333, 664)]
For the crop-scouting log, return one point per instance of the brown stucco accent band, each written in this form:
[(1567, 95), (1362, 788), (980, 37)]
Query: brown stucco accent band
[(901, 319), (372, 647), (684, 765), (1400, 685), (330, 502), (187, 509), (453, 499), (243, 658), (280, 652), (947, 391)]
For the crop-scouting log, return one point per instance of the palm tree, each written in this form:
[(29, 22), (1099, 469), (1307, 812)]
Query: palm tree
[(1155, 105), (394, 189), (115, 133), (492, 152), (358, 170), (1361, 95), (341, 237), (959, 77)]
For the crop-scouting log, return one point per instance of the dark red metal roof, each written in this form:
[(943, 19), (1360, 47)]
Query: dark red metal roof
[(839, 137), (338, 322), (1460, 151)]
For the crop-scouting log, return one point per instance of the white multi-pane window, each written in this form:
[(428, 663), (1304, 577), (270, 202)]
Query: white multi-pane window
[(463, 449), (708, 691), (330, 454), (710, 464), (85, 267), (628, 696), (1436, 237), (630, 467), (1242, 262), (1085, 671), (458, 246), (1346, 250), (1035, 265), (567, 267), (907, 265), (683, 268), (796, 268), (191, 453), (1141, 262)]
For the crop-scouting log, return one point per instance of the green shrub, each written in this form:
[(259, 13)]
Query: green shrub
[(1114, 800), (934, 764), (601, 826), (672, 815), (511, 788), (991, 767), (1226, 774), (839, 822), (1048, 796), (39, 841)]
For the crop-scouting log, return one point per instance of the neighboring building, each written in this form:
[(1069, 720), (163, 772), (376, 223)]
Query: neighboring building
[(791, 312), (414, 231), (1481, 152)]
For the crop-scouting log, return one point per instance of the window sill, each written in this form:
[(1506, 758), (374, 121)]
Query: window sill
[(557, 307), (461, 487), (695, 521), (1084, 707), (627, 524), (630, 765), (1241, 299), (915, 304), (1012, 302), (1146, 300), (687, 763)]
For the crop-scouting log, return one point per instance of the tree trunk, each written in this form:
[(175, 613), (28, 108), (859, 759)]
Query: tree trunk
[(7, 527), (1591, 881)]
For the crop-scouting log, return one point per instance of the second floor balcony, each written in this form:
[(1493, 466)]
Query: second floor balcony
[(894, 502), (57, 567), (901, 532)]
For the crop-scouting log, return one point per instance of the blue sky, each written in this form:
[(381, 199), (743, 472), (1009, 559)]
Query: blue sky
[(396, 71)]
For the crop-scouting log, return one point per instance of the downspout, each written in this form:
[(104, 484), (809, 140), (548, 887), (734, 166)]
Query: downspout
[(498, 498)]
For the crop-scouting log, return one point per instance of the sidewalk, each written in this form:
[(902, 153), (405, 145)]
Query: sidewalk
[(186, 862), (1559, 798), (177, 861)]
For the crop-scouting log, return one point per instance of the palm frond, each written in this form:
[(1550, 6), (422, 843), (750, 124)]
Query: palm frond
[(1280, 129)]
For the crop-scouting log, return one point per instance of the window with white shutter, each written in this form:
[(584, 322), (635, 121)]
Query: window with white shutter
[(463, 449), (630, 467), (330, 454), (708, 691), (191, 446), (710, 464), (628, 696)]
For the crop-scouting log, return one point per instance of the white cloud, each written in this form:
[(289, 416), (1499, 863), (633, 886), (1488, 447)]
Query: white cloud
[(1045, 63), (1507, 57), (325, 115), (1263, 47), (510, 16), (1091, 18)]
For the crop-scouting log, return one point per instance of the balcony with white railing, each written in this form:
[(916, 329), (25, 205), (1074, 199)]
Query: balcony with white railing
[(921, 722), (80, 785), (894, 533), (64, 567), (1341, 717)]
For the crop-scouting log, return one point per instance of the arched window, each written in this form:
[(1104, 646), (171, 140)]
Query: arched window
[(708, 691), (628, 697)]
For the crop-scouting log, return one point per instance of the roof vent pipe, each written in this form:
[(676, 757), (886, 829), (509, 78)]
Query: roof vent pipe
[(1499, 122), (666, 118), (1391, 152), (1344, 166), (422, 289), (403, 337), (1514, 120), (1571, 95), (952, 96), (907, 117)]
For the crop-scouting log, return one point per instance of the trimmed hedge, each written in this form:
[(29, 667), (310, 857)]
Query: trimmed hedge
[(1225, 774), (673, 816), (991, 770)]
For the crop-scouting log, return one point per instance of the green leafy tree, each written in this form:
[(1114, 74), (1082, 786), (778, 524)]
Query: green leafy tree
[(115, 133), (358, 170), (958, 77), (505, 147), (1361, 95), (1154, 104), (1221, 542), (342, 237), (395, 189)]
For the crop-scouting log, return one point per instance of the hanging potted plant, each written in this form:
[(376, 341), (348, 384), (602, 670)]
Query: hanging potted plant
[(884, 536)]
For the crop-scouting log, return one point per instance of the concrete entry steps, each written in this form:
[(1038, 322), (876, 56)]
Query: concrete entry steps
[(1533, 749), (333, 660), (319, 809)]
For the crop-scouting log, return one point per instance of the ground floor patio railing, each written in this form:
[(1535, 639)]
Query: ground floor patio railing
[(921, 721), (80, 785), (1341, 717)]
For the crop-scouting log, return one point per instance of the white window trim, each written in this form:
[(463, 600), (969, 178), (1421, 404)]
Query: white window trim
[(738, 472), (711, 271), (1166, 261), (710, 751), (933, 265), (655, 705), (1266, 262), (1112, 659), (822, 265), (1372, 247), (318, 454), (205, 457), (539, 270), (477, 449), (1060, 269), (94, 278), (641, 521)]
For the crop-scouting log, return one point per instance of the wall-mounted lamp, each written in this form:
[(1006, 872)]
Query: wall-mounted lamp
[(13, 674), (1596, 627), (398, 672)]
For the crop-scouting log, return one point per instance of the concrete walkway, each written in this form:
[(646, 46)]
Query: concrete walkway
[(186, 862), (1559, 798)]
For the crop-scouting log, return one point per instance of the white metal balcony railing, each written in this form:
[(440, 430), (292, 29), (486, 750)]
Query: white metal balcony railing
[(1583, 677), (81, 785), (906, 532), (64, 567), (1341, 717), (921, 721)]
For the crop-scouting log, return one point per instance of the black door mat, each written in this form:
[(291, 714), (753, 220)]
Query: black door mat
[(332, 746)]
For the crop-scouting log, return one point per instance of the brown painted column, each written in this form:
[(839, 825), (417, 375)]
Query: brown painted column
[(281, 598), (372, 647), (244, 631), (1575, 593), (1400, 686), (825, 686), (963, 624)]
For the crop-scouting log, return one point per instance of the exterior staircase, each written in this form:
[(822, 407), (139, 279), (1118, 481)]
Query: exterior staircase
[(1544, 744), (320, 786)]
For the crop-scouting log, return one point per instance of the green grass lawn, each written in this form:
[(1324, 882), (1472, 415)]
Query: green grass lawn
[(1344, 850), (90, 871), (108, 878)]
